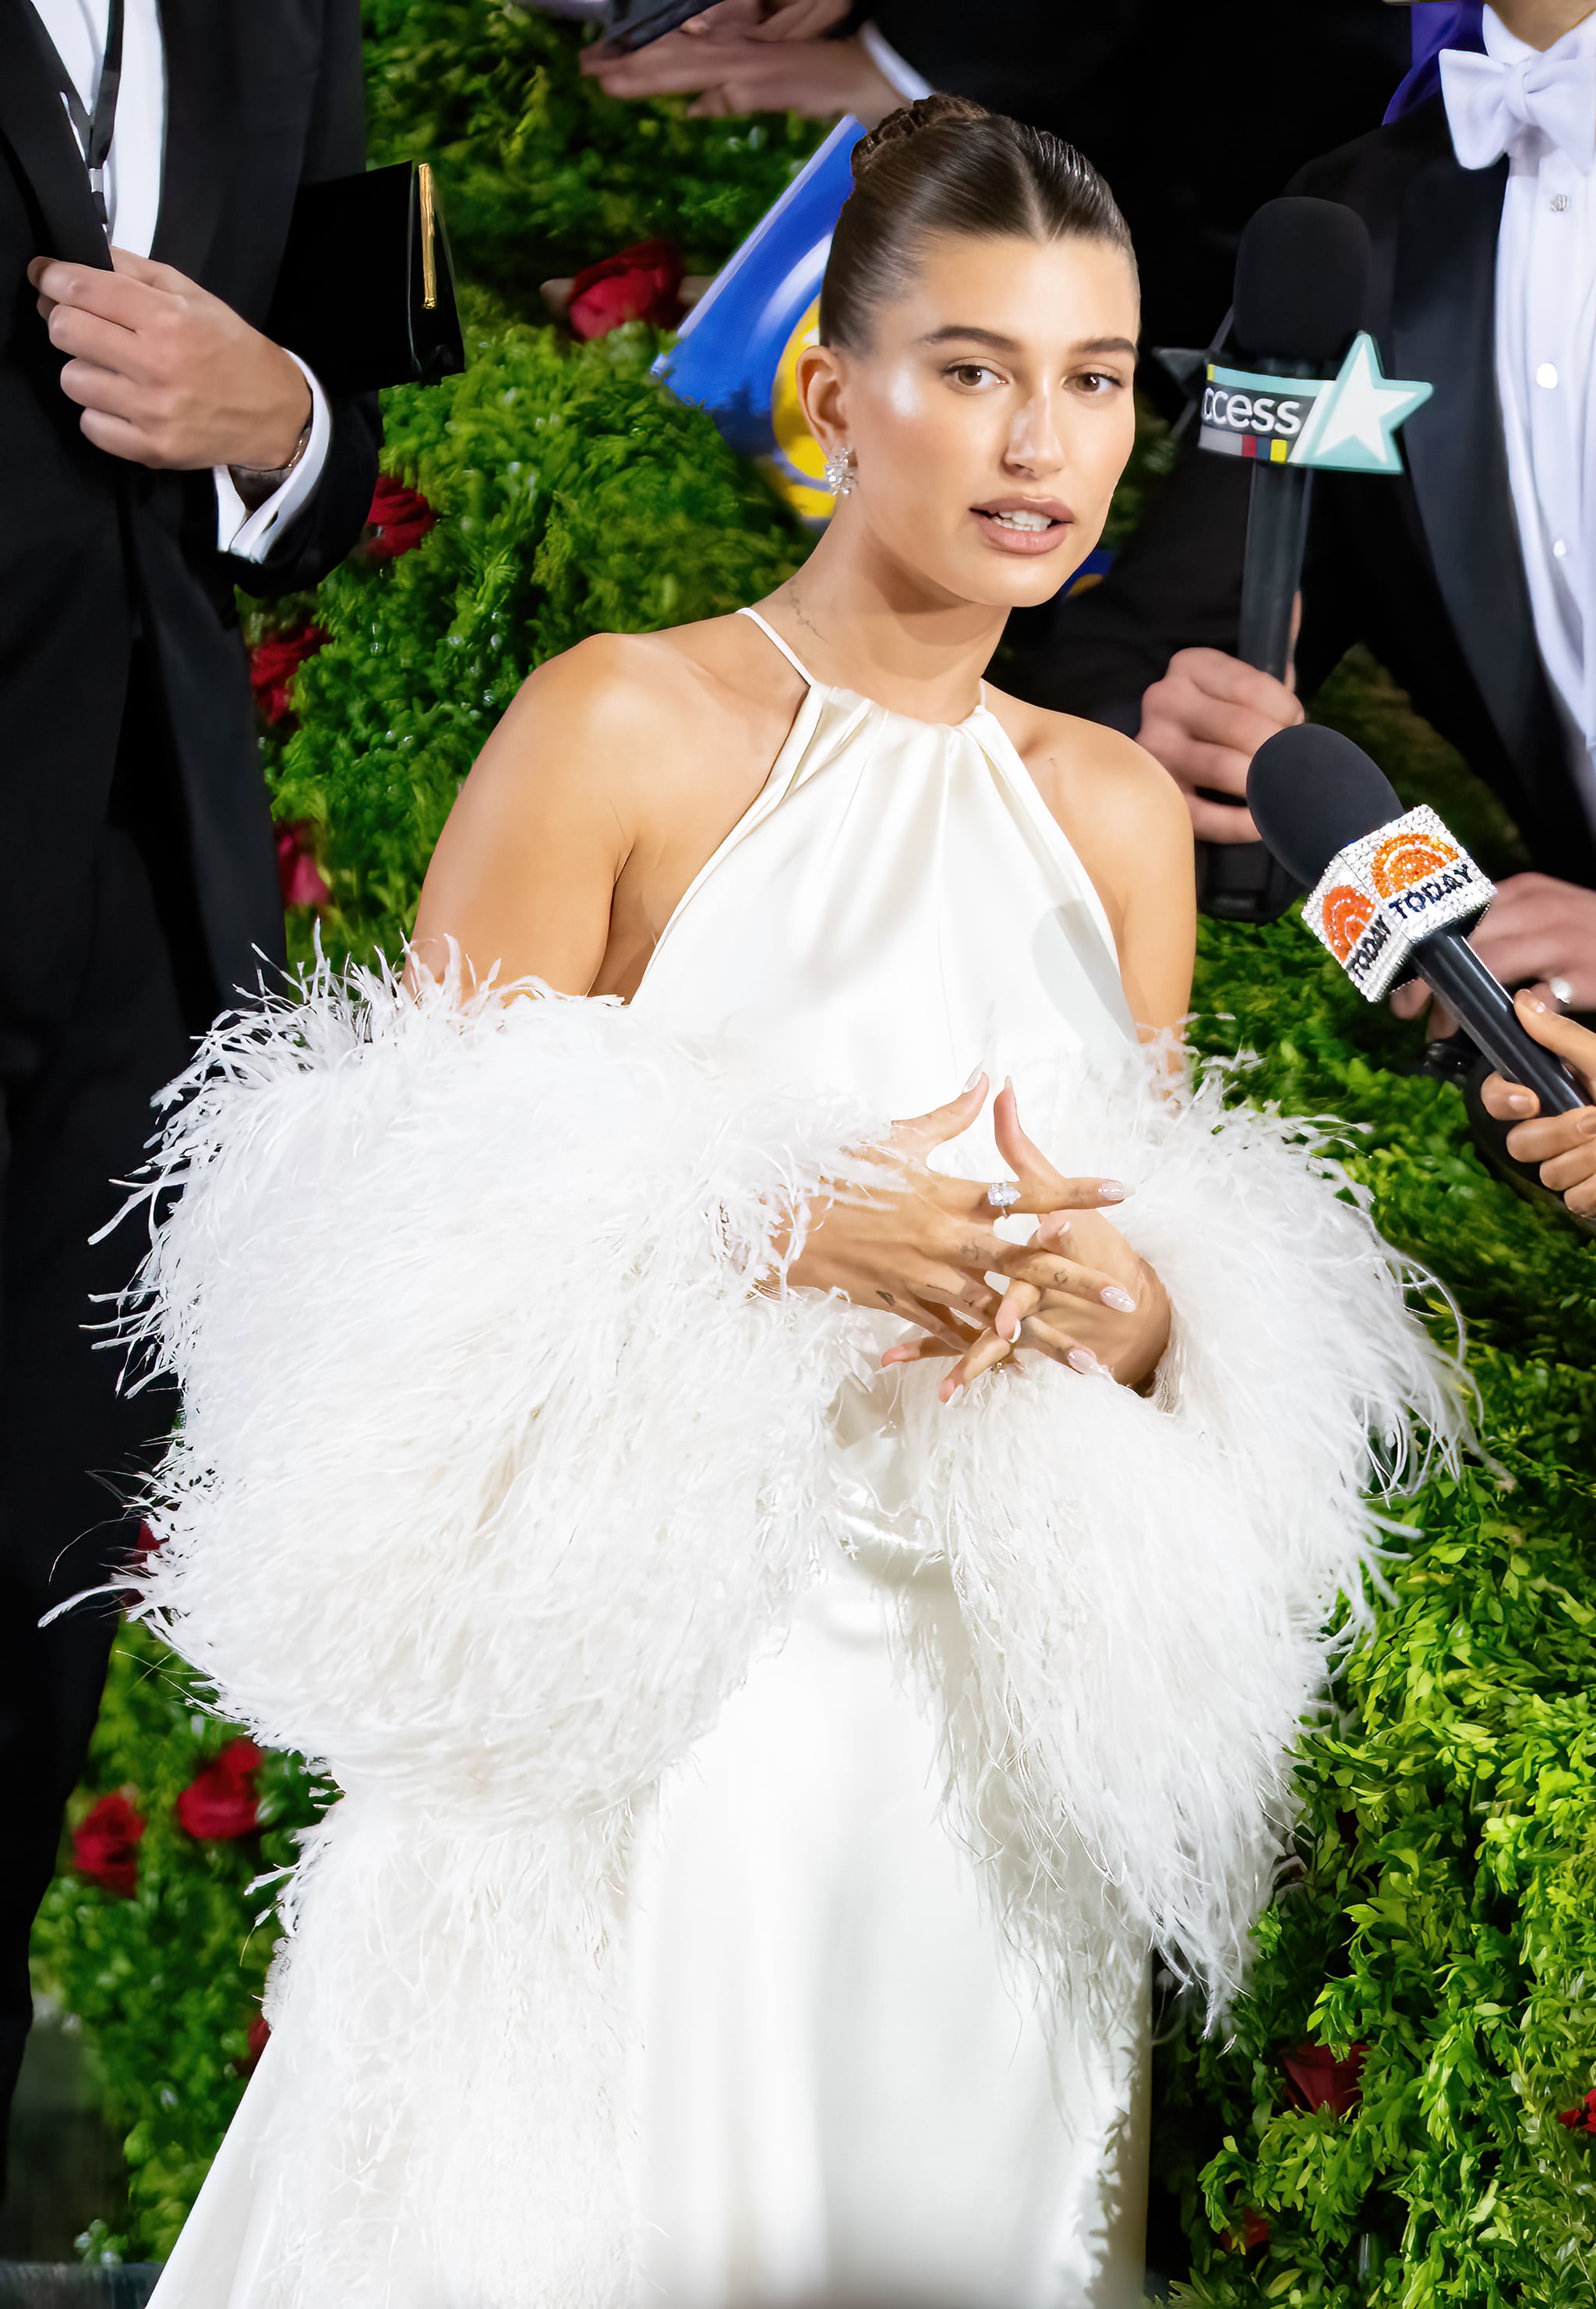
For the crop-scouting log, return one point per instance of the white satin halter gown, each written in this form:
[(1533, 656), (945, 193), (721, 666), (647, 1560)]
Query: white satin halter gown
[(841, 2097), (844, 2095)]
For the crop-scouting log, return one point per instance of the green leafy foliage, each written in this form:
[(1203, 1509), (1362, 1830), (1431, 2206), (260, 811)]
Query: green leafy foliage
[(169, 1982), (1441, 1914), (541, 173)]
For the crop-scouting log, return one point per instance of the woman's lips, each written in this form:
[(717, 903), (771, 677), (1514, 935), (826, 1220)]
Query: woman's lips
[(1021, 527)]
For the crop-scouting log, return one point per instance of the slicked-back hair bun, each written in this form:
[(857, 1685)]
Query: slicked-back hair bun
[(946, 166)]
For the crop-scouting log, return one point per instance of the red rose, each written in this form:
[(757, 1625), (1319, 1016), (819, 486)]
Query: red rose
[(104, 1846), (1255, 2232), (272, 665), (299, 878), (221, 1802), (399, 519), (1582, 2119), (259, 2036), (639, 283), (1319, 2080)]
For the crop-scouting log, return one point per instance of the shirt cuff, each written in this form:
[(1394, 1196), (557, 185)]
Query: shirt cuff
[(891, 67), (251, 536)]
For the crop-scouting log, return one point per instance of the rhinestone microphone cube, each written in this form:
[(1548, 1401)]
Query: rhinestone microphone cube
[(1383, 894)]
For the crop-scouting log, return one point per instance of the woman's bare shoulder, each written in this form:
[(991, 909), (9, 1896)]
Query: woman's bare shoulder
[(616, 705), (1101, 785)]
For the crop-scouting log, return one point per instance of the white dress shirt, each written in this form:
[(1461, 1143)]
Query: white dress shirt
[(132, 204), (1545, 335)]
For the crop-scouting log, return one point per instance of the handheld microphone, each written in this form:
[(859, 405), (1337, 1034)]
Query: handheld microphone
[(1392, 893), (634, 23), (1301, 287)]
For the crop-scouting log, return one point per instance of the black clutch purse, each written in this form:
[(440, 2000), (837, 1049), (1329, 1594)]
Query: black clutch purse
[(366, 290)]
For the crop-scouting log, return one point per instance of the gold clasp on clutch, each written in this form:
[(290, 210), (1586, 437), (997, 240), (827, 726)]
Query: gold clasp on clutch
[(429, 262)]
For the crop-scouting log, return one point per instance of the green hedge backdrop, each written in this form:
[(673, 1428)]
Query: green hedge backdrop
[(1388, 2121)]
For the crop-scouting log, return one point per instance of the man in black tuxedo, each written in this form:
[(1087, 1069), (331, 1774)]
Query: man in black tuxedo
[(1191, 134), (155, 449), (1469, 577)]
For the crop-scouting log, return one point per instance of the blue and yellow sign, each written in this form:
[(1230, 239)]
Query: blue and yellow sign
[(737, 353)]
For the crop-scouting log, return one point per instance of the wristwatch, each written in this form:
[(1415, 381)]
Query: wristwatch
[(263, 482)]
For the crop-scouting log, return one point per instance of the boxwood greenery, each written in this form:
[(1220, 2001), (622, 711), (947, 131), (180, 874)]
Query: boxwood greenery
[(1441, 1912)]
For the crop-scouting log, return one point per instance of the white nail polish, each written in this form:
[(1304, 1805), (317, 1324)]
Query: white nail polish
[(974, 1078), (1120, 1299), (1081, 1359), (957, 1397), (1109, 1190)]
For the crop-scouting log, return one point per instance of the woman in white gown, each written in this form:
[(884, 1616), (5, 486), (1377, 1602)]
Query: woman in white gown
[(773, 1738)]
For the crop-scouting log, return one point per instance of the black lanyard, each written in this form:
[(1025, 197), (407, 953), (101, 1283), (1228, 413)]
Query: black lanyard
[(94, 132)]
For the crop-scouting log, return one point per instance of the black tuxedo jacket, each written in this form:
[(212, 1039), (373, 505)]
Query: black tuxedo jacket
[(1426, 569), (1191, 129), (263, 95)]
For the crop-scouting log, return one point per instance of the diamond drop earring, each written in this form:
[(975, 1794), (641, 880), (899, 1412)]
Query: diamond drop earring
[(841, 466)]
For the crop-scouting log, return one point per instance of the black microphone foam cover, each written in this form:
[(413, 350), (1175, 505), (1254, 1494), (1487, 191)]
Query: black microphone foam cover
[(1312, 792), (1301, 281)]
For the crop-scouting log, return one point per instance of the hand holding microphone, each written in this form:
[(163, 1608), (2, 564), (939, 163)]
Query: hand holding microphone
[(1562, 1146), (1392, 895)]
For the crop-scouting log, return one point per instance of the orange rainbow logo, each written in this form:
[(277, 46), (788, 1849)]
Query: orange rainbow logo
[(1346, 914), (1407, 859)]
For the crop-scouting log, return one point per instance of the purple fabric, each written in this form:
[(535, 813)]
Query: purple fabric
[(1437, 25)]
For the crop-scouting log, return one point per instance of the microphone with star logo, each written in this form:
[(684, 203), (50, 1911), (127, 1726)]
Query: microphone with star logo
[(1312, 396)]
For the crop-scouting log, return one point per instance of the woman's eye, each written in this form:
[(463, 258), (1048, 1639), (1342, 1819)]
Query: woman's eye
[(1099, 381), (971, 374)]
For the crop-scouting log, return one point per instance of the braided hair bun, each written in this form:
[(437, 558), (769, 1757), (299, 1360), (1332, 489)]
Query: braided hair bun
[(925, 112), (945, 165)]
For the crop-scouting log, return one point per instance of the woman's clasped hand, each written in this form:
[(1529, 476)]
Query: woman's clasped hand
[(924, 1247)]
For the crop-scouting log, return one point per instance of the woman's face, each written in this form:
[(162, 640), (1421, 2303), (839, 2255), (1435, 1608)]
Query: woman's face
[(990, 415)]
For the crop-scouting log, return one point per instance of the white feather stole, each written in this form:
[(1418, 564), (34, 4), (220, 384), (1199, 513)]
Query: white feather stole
[(1151, 1586), (497, 1471)]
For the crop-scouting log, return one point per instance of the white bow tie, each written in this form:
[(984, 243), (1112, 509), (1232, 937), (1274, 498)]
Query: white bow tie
[(1490, 105)]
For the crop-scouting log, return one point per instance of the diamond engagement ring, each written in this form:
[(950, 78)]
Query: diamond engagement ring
[(1561, 992), (1002, 1194)]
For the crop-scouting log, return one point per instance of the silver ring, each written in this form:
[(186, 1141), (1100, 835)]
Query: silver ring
[(1561, 992), (1002, 1194)]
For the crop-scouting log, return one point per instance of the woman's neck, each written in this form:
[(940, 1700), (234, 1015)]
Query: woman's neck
[(859, 621), (1540, 22)]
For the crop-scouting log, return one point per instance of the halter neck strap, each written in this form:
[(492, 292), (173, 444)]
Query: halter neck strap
[(793, 659)]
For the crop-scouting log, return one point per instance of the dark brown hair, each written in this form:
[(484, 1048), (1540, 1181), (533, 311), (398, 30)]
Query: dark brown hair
[(946, 165)]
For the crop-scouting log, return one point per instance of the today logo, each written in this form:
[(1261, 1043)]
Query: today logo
[(1380, 897)]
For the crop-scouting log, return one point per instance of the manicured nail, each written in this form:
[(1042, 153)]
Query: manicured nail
[(1115, 1297), (978, 1076), (1008, 1082), (1008, 1328), (954, 1398), (1520, 1102), (1109, 1190), (1536, 1004), (1081, 1359)]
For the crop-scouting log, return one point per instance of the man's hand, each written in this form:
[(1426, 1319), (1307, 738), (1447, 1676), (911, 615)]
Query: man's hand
[(1563, 1146), (769, 20), (1204, 721), (166, 374), (1537, 930), (737, 67)]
